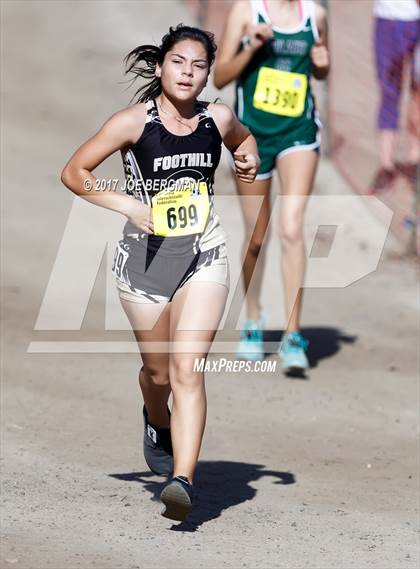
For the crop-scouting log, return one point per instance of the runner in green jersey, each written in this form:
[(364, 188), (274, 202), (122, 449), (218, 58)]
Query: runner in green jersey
[(272, 48)]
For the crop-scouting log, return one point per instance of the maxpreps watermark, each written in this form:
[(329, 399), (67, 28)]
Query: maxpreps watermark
[(234, 366), (91, 232)]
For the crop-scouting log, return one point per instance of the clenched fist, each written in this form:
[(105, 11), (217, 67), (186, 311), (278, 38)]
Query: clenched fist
[(320, 56), (260, 33), (246, 166)]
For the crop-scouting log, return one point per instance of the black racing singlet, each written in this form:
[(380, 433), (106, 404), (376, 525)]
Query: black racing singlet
[(175, 176)]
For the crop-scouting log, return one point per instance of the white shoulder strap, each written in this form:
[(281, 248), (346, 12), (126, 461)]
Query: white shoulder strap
[(258, 8), (308, 8)]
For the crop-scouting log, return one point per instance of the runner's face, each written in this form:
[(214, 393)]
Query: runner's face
[(185, 70)]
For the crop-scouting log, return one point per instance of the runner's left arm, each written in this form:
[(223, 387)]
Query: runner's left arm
[(238, 140), (319, 53)]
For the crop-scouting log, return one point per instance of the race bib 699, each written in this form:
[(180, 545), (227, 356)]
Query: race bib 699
[(181, 211)]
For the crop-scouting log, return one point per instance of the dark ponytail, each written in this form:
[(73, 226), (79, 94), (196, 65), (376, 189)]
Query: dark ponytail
[(142, 60)]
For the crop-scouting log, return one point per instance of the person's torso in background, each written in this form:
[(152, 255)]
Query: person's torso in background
[(289, 50), (405, 10)]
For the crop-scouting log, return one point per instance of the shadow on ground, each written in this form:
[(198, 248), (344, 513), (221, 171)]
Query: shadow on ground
[(218, 485)]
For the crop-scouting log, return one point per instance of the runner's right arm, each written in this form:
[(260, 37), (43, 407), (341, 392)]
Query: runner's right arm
[(230, 62), (122, 129)]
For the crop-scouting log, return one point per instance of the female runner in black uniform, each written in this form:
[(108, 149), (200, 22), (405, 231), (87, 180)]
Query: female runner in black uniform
[(170, 266)]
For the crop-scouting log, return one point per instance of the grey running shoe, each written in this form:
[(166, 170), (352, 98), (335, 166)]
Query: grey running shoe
[(157, 447), (177, 497)]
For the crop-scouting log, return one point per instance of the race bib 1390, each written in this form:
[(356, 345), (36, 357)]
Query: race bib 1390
[(280, 92)]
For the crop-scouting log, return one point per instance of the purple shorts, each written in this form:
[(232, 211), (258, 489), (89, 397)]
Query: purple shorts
[(395, 44)]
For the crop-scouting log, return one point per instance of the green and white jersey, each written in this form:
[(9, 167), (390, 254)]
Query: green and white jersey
[(273, 94)]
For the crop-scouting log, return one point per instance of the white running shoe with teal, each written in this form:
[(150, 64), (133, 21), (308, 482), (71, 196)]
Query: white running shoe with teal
[(251, 344), (292, 352)]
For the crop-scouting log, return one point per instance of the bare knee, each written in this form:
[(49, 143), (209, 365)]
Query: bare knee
[(184, 376), (158, 377), (291, 233), (254, 246)]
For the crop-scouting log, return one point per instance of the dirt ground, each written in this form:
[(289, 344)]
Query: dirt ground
[(318, 473)]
